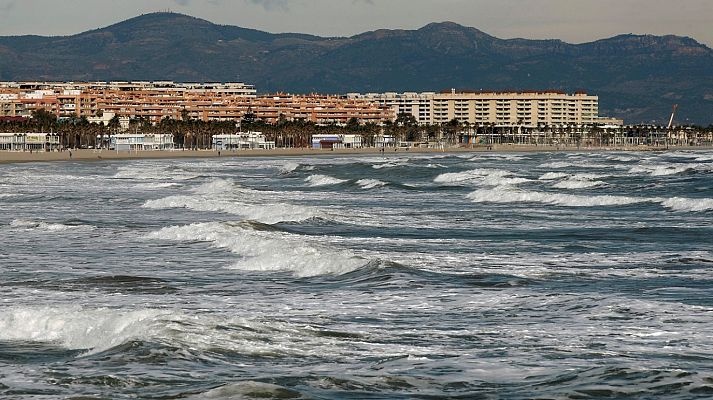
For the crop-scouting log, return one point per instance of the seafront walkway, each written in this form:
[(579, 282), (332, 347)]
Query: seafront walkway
[(99, 155)]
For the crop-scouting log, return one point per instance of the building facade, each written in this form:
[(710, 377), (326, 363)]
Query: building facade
[(141, 141), (29, 141), (242, 141)]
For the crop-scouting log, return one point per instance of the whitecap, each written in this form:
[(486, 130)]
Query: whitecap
[(370, 183), (75, 327), (486, 177), (508, 195), (552, 176), (267, 250), (577, 184), (323, 180), (660, 169), (691, 205), (289, 167), (44, 226), (268, 213)]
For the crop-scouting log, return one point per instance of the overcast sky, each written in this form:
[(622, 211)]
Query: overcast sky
[(574, 21)]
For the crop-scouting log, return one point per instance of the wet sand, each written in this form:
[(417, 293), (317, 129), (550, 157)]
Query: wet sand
[(100, 155)]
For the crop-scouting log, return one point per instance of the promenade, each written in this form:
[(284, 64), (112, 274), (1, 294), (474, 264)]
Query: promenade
[(103, 155)]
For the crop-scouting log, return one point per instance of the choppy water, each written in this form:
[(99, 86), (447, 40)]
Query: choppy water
[(472, 276)]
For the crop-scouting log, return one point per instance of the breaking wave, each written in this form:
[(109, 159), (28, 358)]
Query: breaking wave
[(77, 328), (661, 169), (370, 183), (691, 205), (508, 195), (488, 177), (550, 176), (322, 180), (221, 195), (44, 226), (264, 250)]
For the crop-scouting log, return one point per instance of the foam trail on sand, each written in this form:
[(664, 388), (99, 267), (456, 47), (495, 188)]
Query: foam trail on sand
[(266, 250)]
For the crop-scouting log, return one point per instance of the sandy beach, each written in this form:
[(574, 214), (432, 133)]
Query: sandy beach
[(101, 155)]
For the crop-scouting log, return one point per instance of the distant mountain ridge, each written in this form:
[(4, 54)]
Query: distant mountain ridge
[(638, 77)]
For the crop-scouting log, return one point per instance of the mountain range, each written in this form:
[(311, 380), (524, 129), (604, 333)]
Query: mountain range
[(637, 77)]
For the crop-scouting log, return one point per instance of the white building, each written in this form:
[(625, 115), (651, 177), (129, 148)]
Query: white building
[(336, 141), (141, 141), (29, 141), (420, 105), (242, 141)]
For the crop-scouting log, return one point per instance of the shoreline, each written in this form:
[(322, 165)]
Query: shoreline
[(87, 155)]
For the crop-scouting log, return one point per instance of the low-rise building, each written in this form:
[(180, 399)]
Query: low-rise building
[(29, 141), (141, 141), (242, 141)]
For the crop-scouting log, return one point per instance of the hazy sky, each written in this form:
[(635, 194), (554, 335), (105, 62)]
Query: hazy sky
[(571, 20)]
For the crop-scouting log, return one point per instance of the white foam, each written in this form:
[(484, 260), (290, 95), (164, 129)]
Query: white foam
[(550, 176), (370, 183), (577, 184), (44, 226), (268, 213), (152, 172), (388, 165), (691, 205), (248, 390), (158, 185), (289, 167), (488, 177), (660, 169), (580, 181), (509, 195), (76, 327), (323, 180), (267, 250)]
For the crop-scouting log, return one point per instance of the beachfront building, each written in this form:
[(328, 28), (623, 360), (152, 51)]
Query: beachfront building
[(337, 141), (242, 141), (141, 141), (154, 101), (529, 108), (29, 141), (419, 105)]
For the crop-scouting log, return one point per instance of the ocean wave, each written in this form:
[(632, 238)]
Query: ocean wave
[(158, 185), (269, 213), (580, 181), (508, 195), (323, 180), (661, 169), (550, 176), (691, 205), (152, 172), (289, 167), (488, 177), (390, 164), (44, 226), (77, 328), (577, 184), (370, 183), (261, 250)]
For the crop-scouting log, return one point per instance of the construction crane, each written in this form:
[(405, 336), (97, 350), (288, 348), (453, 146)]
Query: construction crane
[(673, 113)]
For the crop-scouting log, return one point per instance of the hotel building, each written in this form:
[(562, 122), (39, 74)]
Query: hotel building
[(155, 101)]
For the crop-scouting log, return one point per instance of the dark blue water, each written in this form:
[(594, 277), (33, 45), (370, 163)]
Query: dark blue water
[(548, 275)]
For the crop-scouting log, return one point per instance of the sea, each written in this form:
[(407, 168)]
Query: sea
[(555, 275)]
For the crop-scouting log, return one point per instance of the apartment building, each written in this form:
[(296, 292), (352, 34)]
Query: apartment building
[(420, 105), (155, 101), (529, 108)]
